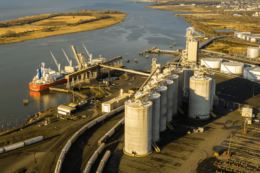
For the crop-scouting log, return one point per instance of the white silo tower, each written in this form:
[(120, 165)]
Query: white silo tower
[(187, 73), (179, 72), (200, 95), (163, 106), (138, 128), (170, 90), (175, 79), (154, 97)]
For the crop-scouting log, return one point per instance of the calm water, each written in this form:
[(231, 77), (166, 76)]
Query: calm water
[(143, 28)]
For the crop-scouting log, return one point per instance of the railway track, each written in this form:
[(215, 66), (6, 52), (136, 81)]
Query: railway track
[(79, 164), (54, 151), (111, 144)]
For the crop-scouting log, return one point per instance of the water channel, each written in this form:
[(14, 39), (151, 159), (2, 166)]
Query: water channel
[(143, 28)]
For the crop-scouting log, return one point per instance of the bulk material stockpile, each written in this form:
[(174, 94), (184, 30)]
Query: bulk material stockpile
[(200, 97), (138, 128), (211, 62), (232, 67)]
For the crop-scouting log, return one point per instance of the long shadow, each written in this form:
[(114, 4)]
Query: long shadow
[(232, 90), (74, 158)]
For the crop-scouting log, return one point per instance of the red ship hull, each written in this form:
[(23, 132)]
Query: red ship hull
[(35, 87)]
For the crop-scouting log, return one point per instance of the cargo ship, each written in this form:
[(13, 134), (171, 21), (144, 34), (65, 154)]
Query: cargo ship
[(47, 78)]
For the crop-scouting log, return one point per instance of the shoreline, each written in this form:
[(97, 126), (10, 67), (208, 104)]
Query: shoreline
[(54, 25)]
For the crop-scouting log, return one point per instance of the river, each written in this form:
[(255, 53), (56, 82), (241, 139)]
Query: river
[(143, 28)]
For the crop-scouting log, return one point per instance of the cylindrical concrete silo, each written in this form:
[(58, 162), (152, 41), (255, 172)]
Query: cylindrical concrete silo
[(214, 100), (187, 73), (179, 72), (163, 107), (155, 98), (138, 128), (170, 86), (199, 100), (175, 79)]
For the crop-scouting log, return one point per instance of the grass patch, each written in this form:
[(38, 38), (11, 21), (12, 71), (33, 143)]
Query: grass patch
[(47, 25), (226, 46)]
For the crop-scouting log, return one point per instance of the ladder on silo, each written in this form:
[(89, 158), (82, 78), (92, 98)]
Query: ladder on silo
[(169, 125), (156, 148), (180, 110), (213, 114)]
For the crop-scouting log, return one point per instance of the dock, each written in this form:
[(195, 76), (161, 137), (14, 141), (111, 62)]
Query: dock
[(160, 51)]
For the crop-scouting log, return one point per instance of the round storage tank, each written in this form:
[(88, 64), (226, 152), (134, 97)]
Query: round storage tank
[(252, 73), (211, 62), (163, 107), (155, 99), (232, 67), (253, 52), (179, 72), (175, 79), (138, 128), (170, 86), (187, 72), (199, 100)]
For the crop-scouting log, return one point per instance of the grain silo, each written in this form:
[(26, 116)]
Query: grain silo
[(163, 107), (170, 90), (187, 73), (154, 97), (138, 128), (252, 52), (211, 62), (199, 100), (179, 72), (215, 100), (175, 79), (232, 67)]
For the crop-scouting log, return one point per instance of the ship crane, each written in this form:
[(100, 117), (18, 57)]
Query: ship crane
[(69, 61), (58, 65), (89, 55), (79, 57)]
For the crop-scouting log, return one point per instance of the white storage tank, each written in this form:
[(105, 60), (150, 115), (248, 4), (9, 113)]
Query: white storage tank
[(252, 73), (175, 79), (155, 99), (252, 52), (170, 88), (163, 107), (199, 100), (187, 72), (232, 67), (211, 62), (138, 128), (179, 72)]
